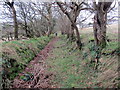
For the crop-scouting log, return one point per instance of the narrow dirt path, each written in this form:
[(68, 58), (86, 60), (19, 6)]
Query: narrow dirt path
[(40, 77)]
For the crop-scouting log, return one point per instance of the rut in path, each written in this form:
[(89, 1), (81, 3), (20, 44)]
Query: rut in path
[(40, 78)]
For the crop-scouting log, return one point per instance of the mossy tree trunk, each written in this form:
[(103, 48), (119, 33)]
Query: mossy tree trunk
[(99, 27), (100, 22)]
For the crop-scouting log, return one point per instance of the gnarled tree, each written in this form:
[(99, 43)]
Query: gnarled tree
[(72, 14), (100, 22)]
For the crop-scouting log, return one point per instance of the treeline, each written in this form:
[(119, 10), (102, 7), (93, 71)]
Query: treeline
[(39, 19), (29, 19), (35, 19)]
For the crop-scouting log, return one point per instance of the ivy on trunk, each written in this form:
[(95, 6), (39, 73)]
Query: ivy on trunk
[(100, 22)]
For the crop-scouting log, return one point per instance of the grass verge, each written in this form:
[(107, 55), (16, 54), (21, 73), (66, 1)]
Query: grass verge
[(72, 68)]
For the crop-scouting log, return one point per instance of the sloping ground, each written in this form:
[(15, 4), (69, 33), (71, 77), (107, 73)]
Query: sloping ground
[(35, 75), (63, 66), (72, 68), (109, 73), (17, 54)]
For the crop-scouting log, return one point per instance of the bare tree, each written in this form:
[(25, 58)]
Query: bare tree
[(100, 22), (48, 7), (45, 10), (11, 5), (23, 14), (74, 9), (65, 25)]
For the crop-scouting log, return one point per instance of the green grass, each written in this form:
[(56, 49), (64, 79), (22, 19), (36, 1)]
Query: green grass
[(72, 68), (68, 66)]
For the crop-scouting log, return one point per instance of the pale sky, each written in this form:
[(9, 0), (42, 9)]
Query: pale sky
[(1, 20), (53, 0)]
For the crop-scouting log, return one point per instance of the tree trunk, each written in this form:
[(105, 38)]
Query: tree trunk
[(79, 43), (28, 33), (11, 36), (99, 27), (49, 30), (15, 23), (100, 20), (72, 16), (50, 24), (68, 34)]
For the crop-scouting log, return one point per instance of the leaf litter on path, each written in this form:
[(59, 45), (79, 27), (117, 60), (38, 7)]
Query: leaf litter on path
[(35, 74)]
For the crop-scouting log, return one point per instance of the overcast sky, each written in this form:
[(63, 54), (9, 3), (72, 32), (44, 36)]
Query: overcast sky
[(87, 21)]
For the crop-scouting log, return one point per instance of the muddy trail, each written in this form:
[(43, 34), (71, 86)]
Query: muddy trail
[(35, 74)]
